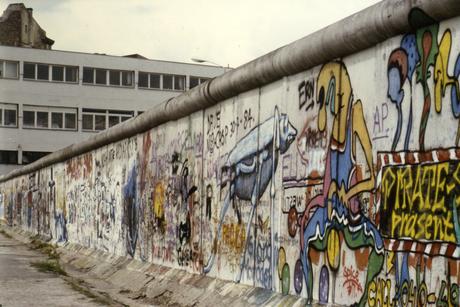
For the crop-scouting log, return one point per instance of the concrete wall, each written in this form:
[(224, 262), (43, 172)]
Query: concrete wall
[(340, 183)]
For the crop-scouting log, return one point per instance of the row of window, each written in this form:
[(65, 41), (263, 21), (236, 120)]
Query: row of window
[(96, 76), (46, 72), (161, 81), (11, 156), (107, 77), (98, 120), (49, 118), (38, 117)]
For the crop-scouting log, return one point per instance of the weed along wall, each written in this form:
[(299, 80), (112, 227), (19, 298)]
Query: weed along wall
[(339, 183)]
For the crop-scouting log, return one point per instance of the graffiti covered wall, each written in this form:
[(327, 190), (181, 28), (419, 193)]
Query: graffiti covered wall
[(339, 184)]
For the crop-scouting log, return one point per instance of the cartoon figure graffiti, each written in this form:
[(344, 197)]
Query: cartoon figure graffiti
[(250, 168), (337, 209)]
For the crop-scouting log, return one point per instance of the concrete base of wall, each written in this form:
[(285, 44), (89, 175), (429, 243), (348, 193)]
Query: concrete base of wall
[(137, 283)]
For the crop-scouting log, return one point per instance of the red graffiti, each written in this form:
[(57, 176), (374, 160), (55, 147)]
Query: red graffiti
[(351, 282)]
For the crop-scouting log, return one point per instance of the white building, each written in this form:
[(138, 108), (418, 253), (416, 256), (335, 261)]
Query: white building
[(50, 99)]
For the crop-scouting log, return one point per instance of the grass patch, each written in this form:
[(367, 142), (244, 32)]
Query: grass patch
[(3, 232), (49, 266), (45, 248)]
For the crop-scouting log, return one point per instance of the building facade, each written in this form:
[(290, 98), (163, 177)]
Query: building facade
[(50, 99)]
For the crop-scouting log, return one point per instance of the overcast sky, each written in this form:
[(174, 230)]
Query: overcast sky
[(229, 32)]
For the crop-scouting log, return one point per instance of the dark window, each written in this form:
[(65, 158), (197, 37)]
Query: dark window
[(155, 81), (101, 76), (179, 83), (99, 122), (43, 72), (113, 120), (167, 82), (58, 73), (194, 81), (93, 110), (71, 74), (10, 118), (124, 118), (42, 119), (8, 157), (70, 121), (1, 117), (127, 78), (143, 79), (1, 69), (88, 76), (87, 122), (56, 120), (29, 71), (32, 156), (114, 77), (28, 118)]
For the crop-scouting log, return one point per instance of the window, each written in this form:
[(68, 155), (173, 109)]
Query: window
[(70, 121), (71, 74), (58, 73), (28, 119), (127, 78), (113, 120), (42, 72), (8, 115), (101, 76), (155, 81), (88, 75), (57, 120), (143, 79), (8, 69), (194, 81), (32, 156), (87, 122), (97, 120), (29, 71), (8, 157), (179, 83), (167, 82), (40, 117), (114, 77)]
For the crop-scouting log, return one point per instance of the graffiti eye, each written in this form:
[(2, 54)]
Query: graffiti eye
[(321, 97)]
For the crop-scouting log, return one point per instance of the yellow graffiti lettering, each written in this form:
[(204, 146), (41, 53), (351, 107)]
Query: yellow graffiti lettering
[(429, 177), (429, 221), (417, 196), (395, 222), (439, 187), (417, 201), (371, 294), (379, 293)]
